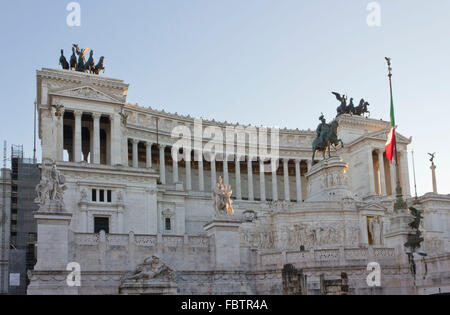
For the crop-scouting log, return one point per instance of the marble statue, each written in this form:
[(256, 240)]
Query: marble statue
[(222, 199), (52, 186), (376, 230), (151, 268)]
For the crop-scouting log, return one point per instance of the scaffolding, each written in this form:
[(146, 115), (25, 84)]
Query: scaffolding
[(25, 176)]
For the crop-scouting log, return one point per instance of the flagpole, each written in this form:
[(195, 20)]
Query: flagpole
[(399, 202)]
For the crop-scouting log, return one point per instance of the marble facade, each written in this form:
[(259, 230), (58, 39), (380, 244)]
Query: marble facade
[(117, 159)]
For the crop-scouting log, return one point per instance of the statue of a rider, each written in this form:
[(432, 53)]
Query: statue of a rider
[(322, 132), (327, 136)]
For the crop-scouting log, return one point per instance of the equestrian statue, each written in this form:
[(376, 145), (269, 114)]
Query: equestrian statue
[(326, 137)]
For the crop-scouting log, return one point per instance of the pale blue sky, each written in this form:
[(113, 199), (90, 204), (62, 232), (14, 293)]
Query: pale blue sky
[(270, 63)]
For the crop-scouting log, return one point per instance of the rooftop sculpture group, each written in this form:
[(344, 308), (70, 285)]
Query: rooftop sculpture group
[(79, 63), (350, 108)]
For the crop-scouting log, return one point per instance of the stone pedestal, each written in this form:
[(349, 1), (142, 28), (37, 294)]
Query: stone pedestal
[(327, 181), (224, 235), (53, 241), (397, 234), (148, 288)]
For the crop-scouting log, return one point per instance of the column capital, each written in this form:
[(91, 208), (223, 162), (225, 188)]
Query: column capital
[(78, 113), (135, 141), (285, 160), (298, 161), (148, 143), (162, 146), (96, 116)]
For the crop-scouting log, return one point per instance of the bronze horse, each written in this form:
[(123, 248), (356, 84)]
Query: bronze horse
[(327, 138)]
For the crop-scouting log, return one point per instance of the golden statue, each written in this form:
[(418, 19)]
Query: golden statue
[(222, 199)]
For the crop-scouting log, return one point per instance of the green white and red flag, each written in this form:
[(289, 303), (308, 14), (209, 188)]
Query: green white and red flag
[(390, 144)]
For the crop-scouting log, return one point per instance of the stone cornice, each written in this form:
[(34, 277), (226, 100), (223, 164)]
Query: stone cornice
[(357, 121), (80, 168), (190, 120), (379, 135), (81, 78), (87, 93)]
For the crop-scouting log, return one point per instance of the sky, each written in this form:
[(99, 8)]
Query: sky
[(259, 62)]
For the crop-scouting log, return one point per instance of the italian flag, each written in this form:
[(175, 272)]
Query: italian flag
[(390, 144)]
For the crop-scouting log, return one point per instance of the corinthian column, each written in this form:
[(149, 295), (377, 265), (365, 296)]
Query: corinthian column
[(226, 179), (188, 171), (213, 172), (274, 181), (382, 172), (238, 177), (262, 182), (250, 179), (96, 118), (287, 193), (201, 176), (77, 142), (148, 152), (135, 153), (371, 174), (175, 165), (298, 181), (162, 164), (59, 135)]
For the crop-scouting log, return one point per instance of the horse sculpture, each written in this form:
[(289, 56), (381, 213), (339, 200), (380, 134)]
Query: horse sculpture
[(362, 108), (90, 66), (99, 67), (326, 137), (78, 62), (73, 58), (63, 62)]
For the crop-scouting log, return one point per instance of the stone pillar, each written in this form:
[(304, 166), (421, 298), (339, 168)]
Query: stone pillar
[(119, 145), (188, 171), (224, 234), (226, 179), (96, 153), (53, 231), (298, 181), (77, 138), (59, 136), (382, 172), (251, 195), (238, 177), (433, 177), (201, 176), (213, 172), (135, 153), (162, 164), (274, 181), (397, 234), (287, 194), (148, 154), (175, 165), (371, 172), (262, 180)]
